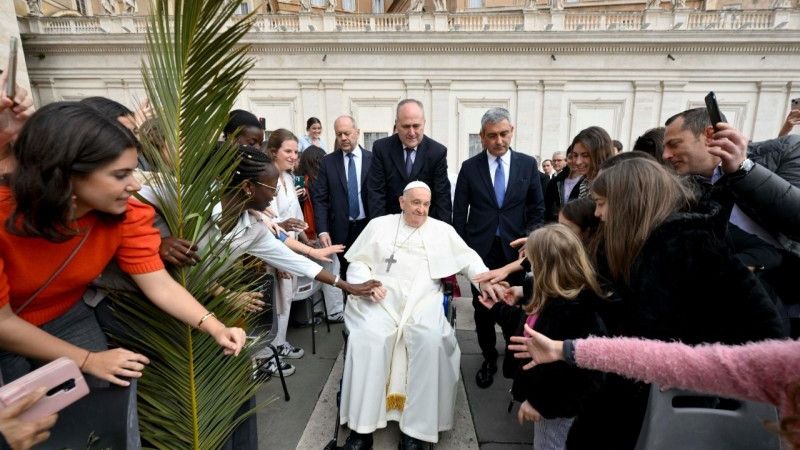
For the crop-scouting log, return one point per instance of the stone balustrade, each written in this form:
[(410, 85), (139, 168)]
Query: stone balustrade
[(521, 20)]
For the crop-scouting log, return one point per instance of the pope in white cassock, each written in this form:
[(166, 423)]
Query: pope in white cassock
[(402, 356)]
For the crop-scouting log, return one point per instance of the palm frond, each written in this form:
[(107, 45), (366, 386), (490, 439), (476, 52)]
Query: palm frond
[(194, 70)]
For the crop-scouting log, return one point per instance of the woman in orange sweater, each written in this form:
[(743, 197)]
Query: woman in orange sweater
[(69, 211)]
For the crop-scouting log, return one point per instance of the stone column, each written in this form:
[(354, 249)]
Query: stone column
[(529, 115), (673, 99), (116, 90), (769, 116), (645, 109), (8, 28), (310, 101), (552, 135), (333, 107), (416, 89), (438, 123)]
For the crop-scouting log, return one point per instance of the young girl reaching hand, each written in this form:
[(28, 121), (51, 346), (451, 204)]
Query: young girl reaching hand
[(565, 295)]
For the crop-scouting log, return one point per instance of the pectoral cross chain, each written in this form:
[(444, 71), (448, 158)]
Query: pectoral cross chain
[(389, 261)]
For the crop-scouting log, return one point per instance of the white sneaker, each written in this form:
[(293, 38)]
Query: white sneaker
[(270, 368), (287, 350)]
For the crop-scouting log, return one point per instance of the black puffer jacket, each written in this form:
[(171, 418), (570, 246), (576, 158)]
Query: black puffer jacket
[(770, 193)]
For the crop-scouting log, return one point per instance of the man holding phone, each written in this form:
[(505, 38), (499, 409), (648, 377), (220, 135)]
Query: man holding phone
[(793, 119), (759, 183)]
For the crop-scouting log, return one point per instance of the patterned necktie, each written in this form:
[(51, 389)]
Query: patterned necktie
[(409, 162), (499, 183), (352, 188)]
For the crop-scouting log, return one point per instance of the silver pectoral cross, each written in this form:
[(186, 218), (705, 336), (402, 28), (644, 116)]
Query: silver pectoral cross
[(389, 261)]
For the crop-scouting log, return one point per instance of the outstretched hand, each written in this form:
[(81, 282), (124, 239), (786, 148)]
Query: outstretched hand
[(366, 289), (178, 252), (112, 364), (538, 347), (322, 254), (492, 293), (231, 339)]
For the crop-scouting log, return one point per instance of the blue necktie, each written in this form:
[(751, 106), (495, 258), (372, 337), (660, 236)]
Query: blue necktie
[(499, 183), (352, 188), (409, 162)]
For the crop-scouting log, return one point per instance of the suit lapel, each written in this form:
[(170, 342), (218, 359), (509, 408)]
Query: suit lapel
[(418, 159), (396, 154), (366, 160), (512, 176), (484, 175), (338, 161)]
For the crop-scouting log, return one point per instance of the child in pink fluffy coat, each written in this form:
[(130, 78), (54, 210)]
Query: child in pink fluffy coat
[(766, 371)]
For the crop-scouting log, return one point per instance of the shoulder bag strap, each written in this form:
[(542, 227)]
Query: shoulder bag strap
[(56, 273)]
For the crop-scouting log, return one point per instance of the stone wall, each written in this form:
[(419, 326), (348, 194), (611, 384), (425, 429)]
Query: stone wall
[(554, 83)]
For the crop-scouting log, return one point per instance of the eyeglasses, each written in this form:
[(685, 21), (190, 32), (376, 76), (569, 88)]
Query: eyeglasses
[(274, 188)]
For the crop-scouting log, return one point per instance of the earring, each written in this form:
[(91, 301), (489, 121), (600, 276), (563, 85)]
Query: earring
[(248, 193)]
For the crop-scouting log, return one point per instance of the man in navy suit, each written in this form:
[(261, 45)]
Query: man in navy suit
[(498, 199), (338, 194), (407, 156)]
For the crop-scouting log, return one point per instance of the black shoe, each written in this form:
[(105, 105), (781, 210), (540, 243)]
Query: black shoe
[(358, 441), (409, 443), (485, 376)]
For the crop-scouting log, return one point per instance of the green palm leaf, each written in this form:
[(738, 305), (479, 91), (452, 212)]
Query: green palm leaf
[(194, 70)]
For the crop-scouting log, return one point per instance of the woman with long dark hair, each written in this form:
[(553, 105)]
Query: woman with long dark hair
[(68, 213)]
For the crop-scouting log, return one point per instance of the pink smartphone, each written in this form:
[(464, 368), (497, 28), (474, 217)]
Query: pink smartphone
[(64, 383)]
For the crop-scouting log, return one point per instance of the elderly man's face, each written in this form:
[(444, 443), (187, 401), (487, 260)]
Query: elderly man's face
[(559, 161), (410, 124), (346, 134), (415, 204)]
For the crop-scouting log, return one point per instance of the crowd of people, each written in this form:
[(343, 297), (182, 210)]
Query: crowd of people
[(606, 270)]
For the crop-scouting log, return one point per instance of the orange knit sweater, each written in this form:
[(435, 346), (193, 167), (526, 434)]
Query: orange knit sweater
[(26, 263)]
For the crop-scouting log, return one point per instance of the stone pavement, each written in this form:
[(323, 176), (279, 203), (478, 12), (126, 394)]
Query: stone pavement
[(307, 421)]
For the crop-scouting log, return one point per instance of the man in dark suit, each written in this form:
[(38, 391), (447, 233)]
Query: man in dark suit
[(498, 199), (338, 194), (407, 156)]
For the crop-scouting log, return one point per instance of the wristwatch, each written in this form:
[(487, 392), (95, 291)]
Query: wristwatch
[(744, 168)]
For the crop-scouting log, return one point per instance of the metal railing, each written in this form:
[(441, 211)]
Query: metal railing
[(477, 21)]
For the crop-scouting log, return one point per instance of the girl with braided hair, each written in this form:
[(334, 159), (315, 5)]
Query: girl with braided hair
[(251, 190)]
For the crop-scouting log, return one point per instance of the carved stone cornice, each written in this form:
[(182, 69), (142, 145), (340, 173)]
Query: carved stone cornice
[(740, 42)]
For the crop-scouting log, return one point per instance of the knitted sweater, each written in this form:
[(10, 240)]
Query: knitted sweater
[(761, 371), (28, 262)]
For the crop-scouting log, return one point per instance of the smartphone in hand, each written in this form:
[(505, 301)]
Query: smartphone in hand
[(11, 79), (796, 103), (299, 181), (64, 382), (713, 110)]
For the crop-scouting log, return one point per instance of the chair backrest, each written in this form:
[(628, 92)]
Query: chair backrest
[(109, 414), (306, 287), (686, 420)]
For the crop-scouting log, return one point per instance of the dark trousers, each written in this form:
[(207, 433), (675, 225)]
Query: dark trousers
[(355, 229), (484, 322)]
